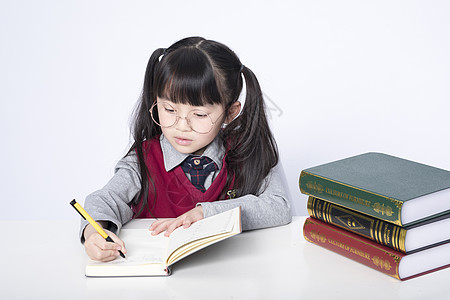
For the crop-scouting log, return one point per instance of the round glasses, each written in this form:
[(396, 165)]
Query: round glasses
[(166, 116)]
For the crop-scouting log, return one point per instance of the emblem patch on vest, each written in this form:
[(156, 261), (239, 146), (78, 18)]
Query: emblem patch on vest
[(231, 194)]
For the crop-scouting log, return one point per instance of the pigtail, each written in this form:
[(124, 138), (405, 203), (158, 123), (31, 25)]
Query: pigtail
[(143, 128), (252, 150), (196, 71)]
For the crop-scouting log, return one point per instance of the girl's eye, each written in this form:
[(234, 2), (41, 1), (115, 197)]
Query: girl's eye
[(200, 115), (169, 110)]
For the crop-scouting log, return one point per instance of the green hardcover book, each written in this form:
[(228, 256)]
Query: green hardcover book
[(393, 189), (408, 240)]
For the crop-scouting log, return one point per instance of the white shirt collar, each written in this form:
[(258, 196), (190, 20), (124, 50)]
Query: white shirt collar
[(172, 158)]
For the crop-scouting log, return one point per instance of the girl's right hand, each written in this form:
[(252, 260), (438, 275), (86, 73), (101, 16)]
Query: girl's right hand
[(97, 248)]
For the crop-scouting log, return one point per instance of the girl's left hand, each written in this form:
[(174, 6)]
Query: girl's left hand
[(185, 220)]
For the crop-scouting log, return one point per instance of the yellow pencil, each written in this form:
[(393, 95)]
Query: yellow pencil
[(91, 221)]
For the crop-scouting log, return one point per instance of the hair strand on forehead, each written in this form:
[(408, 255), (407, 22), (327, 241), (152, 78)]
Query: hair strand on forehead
[(187, 76)]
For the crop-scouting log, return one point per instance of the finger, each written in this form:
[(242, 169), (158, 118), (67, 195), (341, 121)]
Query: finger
[(187, 222), (95, 252), (98, 248), (161, 227), (174, 225), (107, 255), (157, 223), (118, 242), (101, 254), (193, 216)]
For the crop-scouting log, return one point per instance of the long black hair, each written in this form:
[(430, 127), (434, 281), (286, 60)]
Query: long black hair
[(197, 71)]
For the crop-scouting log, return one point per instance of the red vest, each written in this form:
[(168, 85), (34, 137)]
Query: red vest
[(175, 194)]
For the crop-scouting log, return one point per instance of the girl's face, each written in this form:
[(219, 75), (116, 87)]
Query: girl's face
[(181, 135)]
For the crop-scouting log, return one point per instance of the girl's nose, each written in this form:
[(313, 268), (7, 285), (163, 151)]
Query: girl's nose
[(183, 124)]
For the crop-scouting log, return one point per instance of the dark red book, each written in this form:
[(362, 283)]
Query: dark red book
[(379, 257)]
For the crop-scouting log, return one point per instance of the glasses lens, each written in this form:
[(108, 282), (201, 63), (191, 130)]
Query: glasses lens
[(200, 121), (164, 114)]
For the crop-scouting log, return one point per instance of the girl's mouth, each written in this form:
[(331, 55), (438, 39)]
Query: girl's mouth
[(182, 141)]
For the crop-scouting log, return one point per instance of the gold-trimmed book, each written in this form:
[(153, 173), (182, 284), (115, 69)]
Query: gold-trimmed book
[(155, 255), (408, 240), (389, 261), (386, 187)]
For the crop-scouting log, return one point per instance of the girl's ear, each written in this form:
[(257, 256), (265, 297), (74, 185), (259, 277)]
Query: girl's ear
[(233, 111)]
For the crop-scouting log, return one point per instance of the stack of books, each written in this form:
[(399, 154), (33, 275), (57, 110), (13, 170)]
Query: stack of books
[(388, 213)]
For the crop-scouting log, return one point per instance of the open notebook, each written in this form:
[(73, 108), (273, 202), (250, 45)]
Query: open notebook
[(154, 255)]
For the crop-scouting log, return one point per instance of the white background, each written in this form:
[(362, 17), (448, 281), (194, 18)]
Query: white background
[(341, 78)]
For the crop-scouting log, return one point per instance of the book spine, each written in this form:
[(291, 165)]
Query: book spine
[(382, 232), (363, 201), (353, 246)]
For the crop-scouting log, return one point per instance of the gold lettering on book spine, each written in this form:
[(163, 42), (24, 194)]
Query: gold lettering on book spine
[(382, 209), (318, 236), (314, 186), (381, 263), (377, 207), (349, 248), (395, 257)]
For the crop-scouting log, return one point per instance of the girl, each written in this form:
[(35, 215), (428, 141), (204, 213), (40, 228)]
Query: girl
[(195, 152)]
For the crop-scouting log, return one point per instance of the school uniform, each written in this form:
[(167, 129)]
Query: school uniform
[(113, 203)]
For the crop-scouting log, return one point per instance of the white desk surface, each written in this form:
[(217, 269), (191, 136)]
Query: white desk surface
[(44, 260)]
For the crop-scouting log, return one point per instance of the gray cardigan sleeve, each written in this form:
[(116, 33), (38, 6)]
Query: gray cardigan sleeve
[(271, 208), (112, 202)]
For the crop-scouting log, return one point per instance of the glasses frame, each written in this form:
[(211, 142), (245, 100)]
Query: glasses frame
[(188, 121)]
